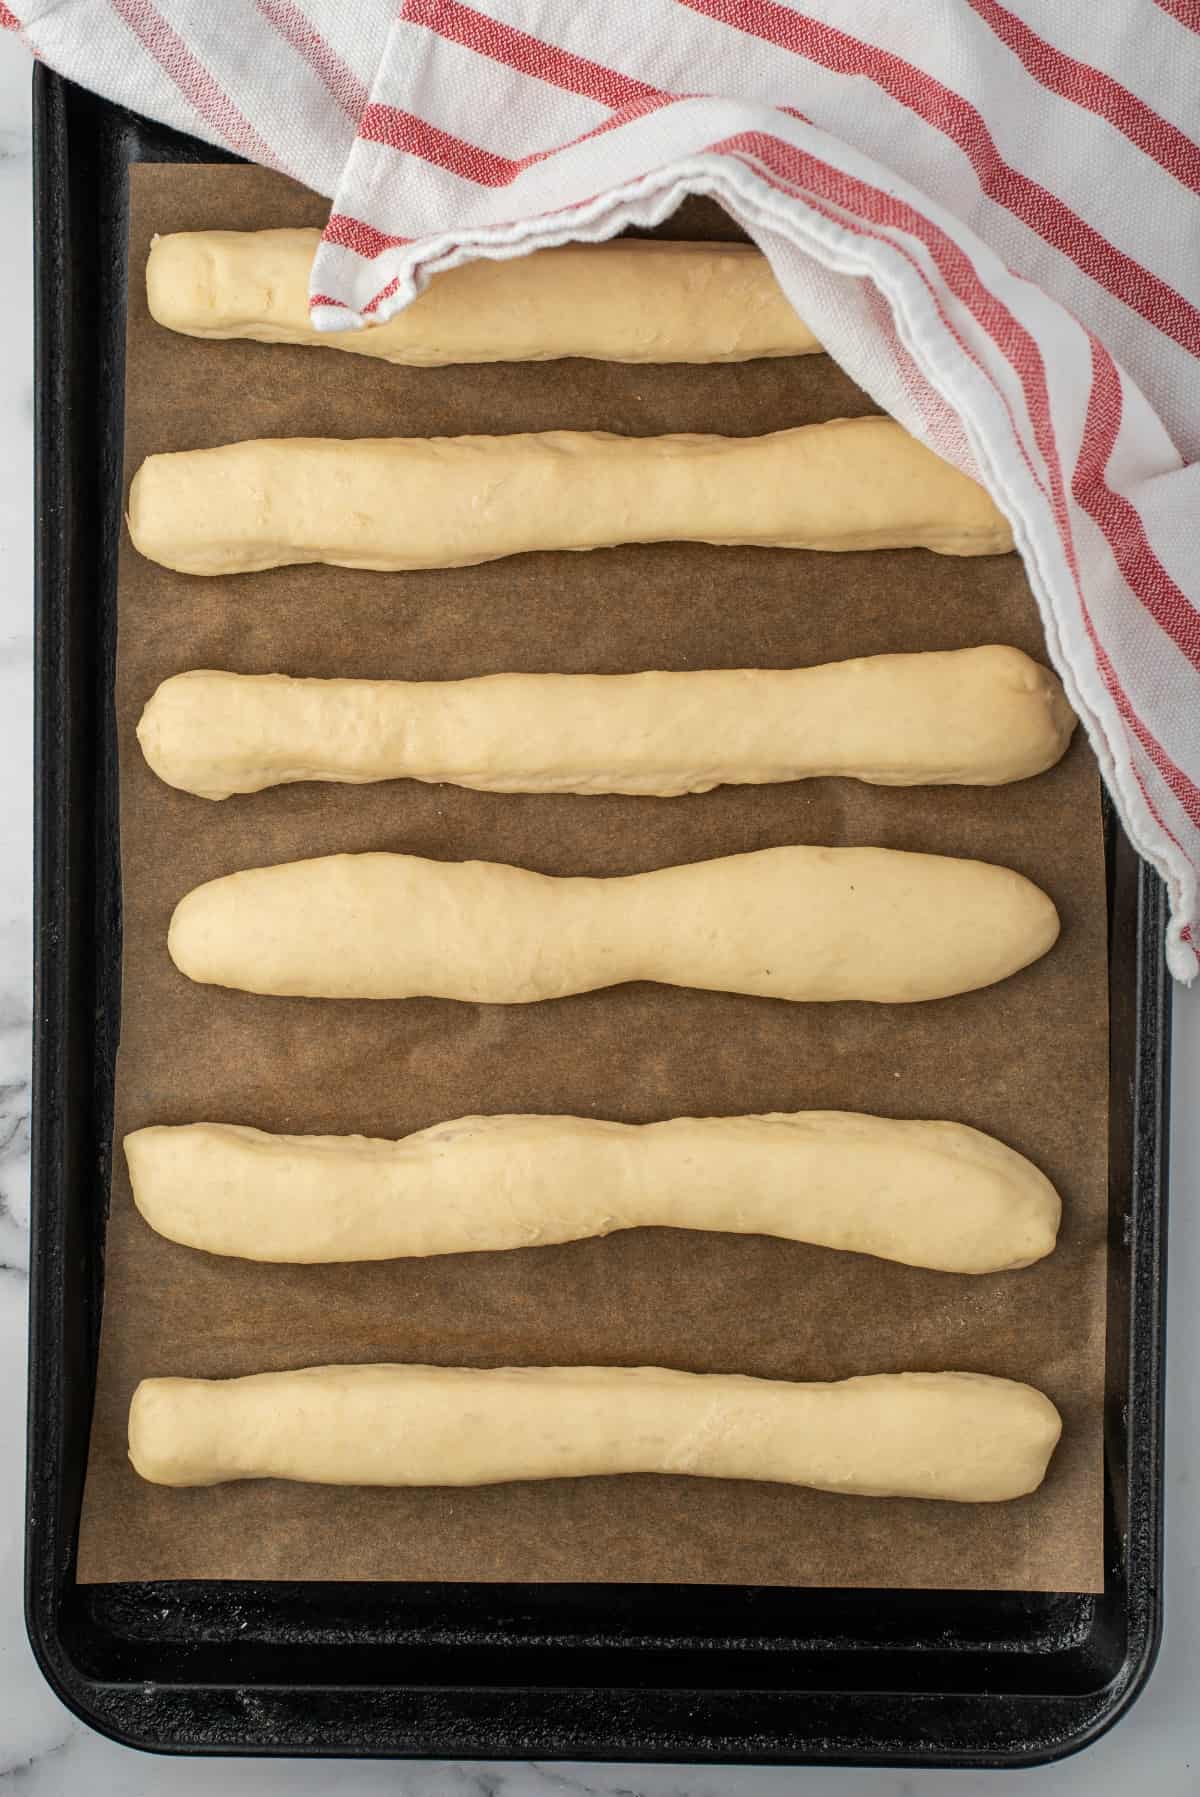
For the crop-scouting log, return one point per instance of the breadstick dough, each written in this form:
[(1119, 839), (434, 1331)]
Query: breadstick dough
[(975, 717), (796, 923), (962, 1436), (630, 300), (449, 502), (927, 1194)]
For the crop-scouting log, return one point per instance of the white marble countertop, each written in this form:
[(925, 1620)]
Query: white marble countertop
[(44, 1750)]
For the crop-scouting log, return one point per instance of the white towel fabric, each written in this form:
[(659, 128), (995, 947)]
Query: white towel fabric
[(990, 216)]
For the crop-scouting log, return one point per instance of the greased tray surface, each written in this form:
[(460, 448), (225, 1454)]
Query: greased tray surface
[(645, 1672)]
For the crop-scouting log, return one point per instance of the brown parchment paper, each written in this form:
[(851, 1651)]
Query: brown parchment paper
[(1026, 1060)]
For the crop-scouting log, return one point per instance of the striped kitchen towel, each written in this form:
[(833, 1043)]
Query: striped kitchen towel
[(989, 214)]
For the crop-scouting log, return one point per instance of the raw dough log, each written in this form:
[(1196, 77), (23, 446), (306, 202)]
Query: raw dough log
[(449, 502), (927, 1194), (963, 1436), (975, 717), (797, 923), (626, 301)]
